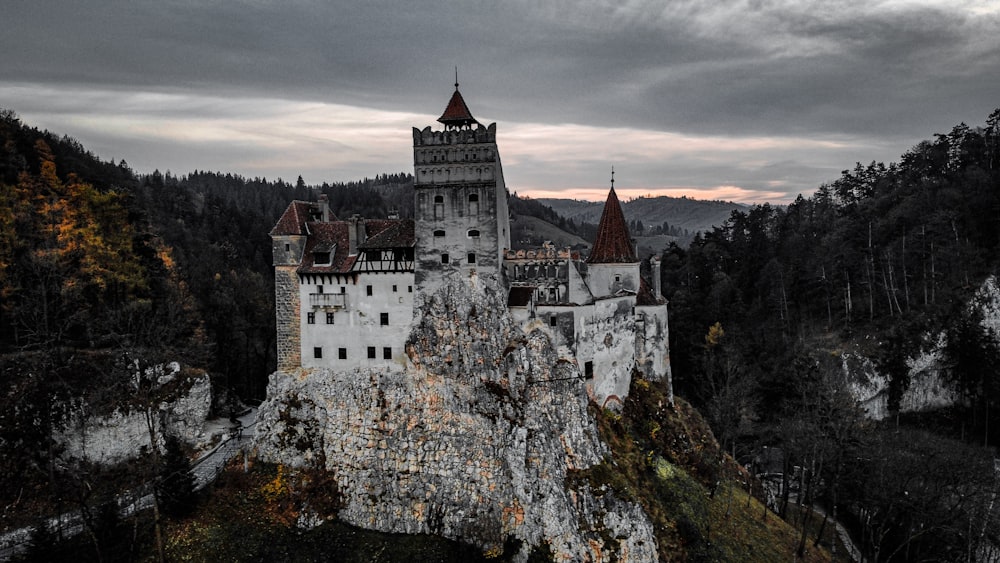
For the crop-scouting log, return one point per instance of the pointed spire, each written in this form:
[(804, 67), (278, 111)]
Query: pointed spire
[(613, 243), (457, 114)]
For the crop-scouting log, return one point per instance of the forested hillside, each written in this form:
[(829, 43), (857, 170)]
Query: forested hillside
[(95, 256), (882, 259)]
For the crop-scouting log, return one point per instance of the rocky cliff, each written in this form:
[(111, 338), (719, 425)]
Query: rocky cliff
[(928, 388), (473, 439), (179, 404)]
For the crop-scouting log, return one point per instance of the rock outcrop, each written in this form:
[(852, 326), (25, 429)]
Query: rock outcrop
[(928, 387), (124, 434), (473, 439)]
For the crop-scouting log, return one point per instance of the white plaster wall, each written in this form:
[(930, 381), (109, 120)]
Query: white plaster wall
[(357, 326), (606, 336), (601, 278), (653, 344)]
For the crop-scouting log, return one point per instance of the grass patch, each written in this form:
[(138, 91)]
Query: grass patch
[(666, 457)]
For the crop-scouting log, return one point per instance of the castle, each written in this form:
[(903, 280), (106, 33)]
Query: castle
[(345, 288)]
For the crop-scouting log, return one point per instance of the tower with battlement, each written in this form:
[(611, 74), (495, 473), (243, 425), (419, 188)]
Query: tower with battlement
[(460, 202)]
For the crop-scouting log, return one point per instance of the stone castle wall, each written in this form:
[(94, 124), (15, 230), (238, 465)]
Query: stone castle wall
[(475, 440), (288, 311)]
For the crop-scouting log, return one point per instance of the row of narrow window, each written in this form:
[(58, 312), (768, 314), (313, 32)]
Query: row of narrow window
[(369, 290), (473, 198), (470, 258), (468, 156), (383, 318), (342, 353), (472, 233)]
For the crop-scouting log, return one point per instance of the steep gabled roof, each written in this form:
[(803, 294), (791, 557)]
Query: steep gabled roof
[(613, 244), (297, 214), (293, 220), (457, 114)]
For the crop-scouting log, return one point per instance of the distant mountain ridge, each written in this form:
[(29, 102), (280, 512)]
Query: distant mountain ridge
[(690, 214)]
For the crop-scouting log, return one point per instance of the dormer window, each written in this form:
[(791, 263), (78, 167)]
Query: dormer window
[(323, 254)]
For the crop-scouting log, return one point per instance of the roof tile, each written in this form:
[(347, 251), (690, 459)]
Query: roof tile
[(613, 244)]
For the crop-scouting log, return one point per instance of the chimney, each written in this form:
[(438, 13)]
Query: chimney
[(324, 208), (655, 263), (355, 233)]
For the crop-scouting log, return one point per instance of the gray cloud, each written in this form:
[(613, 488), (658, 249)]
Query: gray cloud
[(890, 73)]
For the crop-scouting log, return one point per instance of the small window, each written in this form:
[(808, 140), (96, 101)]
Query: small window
[(588, 370), (322, 258), (329, 318), (618, 278), (473, 198), (319, 289), (444, 258), (288, 247), (471, 258), (318, 352), (387, 353), (439, 199), (383, 319), (439, 233), (409, 289), (342, 353), (473, 233), (311, 318), (368, 290), (394, 289), (343, 289), (371, 352), (552, 321)]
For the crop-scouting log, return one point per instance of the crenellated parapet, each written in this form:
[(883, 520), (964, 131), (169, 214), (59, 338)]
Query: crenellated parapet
[(429, 137)]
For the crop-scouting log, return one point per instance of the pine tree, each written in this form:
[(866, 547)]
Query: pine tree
[(175, 489)]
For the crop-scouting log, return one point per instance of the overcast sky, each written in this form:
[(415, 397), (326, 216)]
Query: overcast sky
[(755, 100)]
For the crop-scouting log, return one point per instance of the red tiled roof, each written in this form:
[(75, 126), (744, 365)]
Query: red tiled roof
[(293, 220), (297, 214), (613, 244), (457, 114), (323, 236), (389, 233), (645, 295)]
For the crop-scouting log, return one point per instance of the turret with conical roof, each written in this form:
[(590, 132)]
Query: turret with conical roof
[(612, 265), (613, 244), (457, 114)]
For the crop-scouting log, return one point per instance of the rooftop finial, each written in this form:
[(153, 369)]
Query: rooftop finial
[(612, 177), (456, 77)]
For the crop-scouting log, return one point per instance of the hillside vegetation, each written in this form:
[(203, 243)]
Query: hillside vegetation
[(882, 260)]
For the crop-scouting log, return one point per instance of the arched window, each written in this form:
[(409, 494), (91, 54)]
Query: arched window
[(473, 233), (473, 204), (439, 199)]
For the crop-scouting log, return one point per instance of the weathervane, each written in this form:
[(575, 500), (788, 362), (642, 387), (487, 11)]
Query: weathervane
[(456, 77)]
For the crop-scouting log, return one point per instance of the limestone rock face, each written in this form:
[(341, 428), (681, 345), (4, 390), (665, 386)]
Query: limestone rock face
[(928, 388), (473, 439), (124, 434)]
